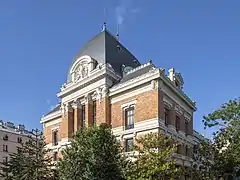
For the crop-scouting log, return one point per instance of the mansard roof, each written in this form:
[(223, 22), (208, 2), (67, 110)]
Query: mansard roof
[(105, 48), (57, 108)]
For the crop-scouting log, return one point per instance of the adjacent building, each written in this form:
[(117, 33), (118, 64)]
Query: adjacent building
[(11, 137), (107, 84)]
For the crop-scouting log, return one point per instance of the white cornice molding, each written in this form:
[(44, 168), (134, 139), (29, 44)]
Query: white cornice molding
[(105, 69), (51, 116), (151, 75), (151, 124), (177, 91), (134, 82)]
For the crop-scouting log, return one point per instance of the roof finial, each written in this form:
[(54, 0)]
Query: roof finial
[(117, 32), (105, 20), (104, 26)]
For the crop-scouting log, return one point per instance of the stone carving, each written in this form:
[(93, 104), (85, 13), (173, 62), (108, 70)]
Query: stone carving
[(76, 104), (66, 108), (100, 93), (63, 108), (80, 72)]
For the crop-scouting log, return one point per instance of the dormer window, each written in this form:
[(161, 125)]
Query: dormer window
[(119, 48), (177, 84)]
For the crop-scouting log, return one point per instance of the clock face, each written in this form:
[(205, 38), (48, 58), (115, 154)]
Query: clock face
[(127, 69)]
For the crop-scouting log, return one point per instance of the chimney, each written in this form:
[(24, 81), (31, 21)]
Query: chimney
[(21, 127), (10, 124), (171, 74)]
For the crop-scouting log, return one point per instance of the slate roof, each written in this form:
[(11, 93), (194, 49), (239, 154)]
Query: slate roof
[(54, 109), (137, 72), (105, 48)]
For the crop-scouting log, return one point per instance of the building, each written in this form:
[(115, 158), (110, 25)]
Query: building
[(107, 84), (11, 137)]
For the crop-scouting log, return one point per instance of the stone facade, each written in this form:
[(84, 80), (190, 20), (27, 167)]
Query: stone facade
[(133, 102)]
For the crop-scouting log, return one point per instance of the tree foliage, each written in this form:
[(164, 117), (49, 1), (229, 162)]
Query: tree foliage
[(94, 154), (153, 158), (204, 160), (30, 162), (226, 146)]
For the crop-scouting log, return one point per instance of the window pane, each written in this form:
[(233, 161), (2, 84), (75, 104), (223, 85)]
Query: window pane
[(129, 144), (83, 116), (129, 118)]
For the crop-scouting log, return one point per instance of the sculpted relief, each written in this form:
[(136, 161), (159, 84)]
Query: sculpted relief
[(80, 72)]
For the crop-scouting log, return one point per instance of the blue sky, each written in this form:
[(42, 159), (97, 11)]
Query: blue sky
[(39, 39)]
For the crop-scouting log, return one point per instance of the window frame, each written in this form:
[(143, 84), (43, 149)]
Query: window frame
[(83, 114), (129, 114), (195, 149), (55, 138), (94, 113), (5, 148), (177, 122), (5, 137), (186, 151), (19, 139), (5, 159), (179, 149), (127, 147), (186, 127), (166, 114), (55, 156)]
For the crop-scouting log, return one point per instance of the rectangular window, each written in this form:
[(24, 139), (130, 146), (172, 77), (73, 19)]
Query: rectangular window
[(94, 112), (166, 116), (177, 123), (179, 149), (55, 137), (195, 149), (5, 148), (129, 118), (5, 138), (129, 145), (186, 127), (186, 149), (5, 159), (55, 156), (19, 140), (83, 116)]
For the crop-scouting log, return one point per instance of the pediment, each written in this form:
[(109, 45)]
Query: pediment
[(81, 68)]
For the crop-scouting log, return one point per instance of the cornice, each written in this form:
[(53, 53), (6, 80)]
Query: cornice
[(104, 70), (51, 116), (154, 74), (179, 92)]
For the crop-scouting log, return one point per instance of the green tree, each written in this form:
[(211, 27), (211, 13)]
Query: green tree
[(30, 162), (153, 158), (226, 146), (204, 160), (94, 154)]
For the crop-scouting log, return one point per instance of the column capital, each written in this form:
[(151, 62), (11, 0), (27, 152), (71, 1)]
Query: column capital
[(88, 99), (66, 107), (76, 104)]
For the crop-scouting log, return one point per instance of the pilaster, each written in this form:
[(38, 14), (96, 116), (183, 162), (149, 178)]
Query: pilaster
[(89, 110), (182, 125), (190, 126), (67, 124), (172, 117), (77, 110)]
